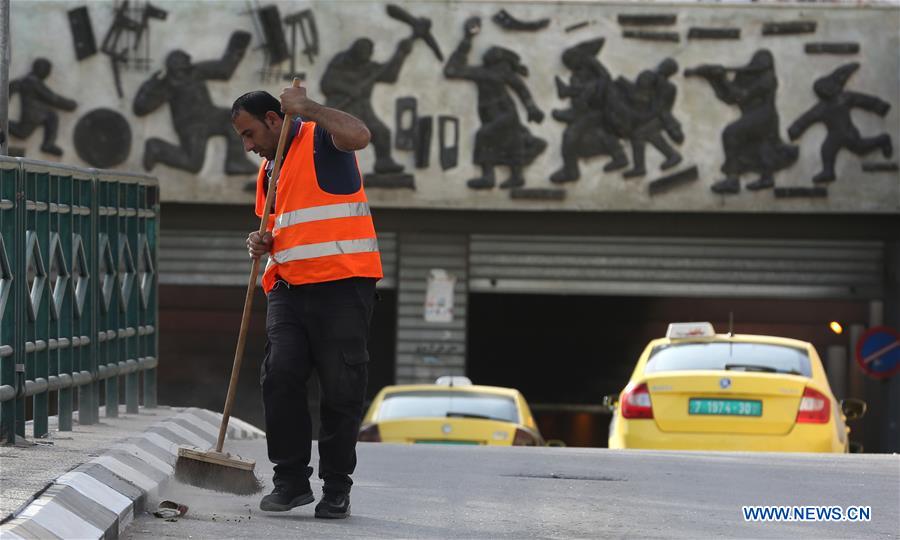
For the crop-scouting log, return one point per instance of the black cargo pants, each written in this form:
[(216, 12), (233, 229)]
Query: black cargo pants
[(321, 326)]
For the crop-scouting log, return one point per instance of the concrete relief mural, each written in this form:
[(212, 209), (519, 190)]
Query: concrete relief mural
[(127, 41), (38, 107), (833, 110), (645, 108), (182, 85), (502, 139), (589, 131), (348, 82), (605, 111), (103, 138), (676, 108), (752, 143), (350, 78)]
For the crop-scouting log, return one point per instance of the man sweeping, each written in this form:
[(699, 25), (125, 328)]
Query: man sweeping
[(323, 263)]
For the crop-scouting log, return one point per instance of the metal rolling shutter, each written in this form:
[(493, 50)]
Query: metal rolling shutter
[(426, 350), (642, 266), (192, 257)]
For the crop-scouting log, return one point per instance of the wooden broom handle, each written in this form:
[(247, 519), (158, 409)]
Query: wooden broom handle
[(251, 284)]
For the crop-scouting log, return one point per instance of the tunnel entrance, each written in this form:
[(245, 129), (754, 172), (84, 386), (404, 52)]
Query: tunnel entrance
[(565, 352)]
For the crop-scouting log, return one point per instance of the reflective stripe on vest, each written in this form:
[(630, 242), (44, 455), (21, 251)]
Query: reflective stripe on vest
[(318, 213), (323, 249)]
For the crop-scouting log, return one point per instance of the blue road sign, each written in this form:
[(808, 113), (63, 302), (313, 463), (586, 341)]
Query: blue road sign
[(878, 352)]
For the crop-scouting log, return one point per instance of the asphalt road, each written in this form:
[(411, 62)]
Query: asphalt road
[(490, 492)]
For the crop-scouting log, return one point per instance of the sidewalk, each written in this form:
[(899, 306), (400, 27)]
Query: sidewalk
[(88, 483)]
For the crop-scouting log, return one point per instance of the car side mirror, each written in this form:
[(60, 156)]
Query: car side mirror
[(611, 401), (853, 409), (555, 443)]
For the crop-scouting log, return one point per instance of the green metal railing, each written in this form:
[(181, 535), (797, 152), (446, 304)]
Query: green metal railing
[(78, 293)]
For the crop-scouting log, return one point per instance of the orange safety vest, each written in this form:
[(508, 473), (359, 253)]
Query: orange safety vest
[(318, 236)]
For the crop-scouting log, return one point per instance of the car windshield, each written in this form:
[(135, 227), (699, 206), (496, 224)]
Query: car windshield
[(729, 356), (448, 404)]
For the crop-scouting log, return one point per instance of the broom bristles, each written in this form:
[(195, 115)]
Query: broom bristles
[(217, 477)]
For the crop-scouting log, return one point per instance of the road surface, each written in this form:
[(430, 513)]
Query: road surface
[(432, 491)]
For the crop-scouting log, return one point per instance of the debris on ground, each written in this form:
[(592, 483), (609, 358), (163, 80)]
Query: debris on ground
[(170, 510)]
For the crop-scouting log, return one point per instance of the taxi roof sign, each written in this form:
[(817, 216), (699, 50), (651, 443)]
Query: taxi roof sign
[(681, 330), (453, 380)]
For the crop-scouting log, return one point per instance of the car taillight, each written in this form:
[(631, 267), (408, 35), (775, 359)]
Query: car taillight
[(369, 433), (814, 408), (524, 438), (635, 402)]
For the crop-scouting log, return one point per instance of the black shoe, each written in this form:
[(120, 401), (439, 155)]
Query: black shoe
[(481, 183), (764, 182), (333, 506), (512, 182), (728, 186), (618, 162), (283, 499), (387, 166), (671, 162), (565, 175), (824, 178), (51, 149)]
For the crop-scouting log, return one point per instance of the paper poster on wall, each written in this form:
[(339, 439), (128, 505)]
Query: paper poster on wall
[(439, 296)]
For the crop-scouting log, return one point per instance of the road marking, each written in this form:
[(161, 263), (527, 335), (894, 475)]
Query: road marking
[(161, 442), (181, 431), (6, 532), (200, 423), (61, 522), (146, 457), (127, 472), (80, 501), (250, 431), (96, 490)]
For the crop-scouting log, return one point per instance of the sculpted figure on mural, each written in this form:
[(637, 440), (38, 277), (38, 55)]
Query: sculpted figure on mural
[(834, 110), (502, 139), (587, 133), (182, 84), (752, 143), (347, 85), (646, 112), (37, 104)]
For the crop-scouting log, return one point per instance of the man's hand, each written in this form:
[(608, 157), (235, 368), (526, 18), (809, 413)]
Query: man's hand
[(257, 245), (348, 132), (295, 101)]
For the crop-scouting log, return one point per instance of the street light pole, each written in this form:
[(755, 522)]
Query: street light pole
[(4, 76)]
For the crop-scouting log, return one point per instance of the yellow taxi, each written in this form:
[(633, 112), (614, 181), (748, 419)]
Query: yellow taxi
[(698, 390), (451, 411)]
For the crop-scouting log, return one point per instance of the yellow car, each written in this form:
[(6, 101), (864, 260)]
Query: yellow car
[(451, 411), (698, 390)]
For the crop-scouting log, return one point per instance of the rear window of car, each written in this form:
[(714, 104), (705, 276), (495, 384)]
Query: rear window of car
[(762, 357), (448, 405)]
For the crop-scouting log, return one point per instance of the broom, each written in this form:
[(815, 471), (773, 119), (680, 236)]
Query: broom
[(214, 469)]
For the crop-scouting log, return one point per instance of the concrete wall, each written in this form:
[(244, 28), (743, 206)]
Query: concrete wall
[(202, 29)]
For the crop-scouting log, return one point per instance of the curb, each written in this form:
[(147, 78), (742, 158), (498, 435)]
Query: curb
[(98, 499)]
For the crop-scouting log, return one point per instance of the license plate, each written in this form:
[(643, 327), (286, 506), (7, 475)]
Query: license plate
[(726, 407)]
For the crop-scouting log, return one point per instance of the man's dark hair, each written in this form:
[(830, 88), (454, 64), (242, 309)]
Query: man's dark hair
[(256, 103)]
